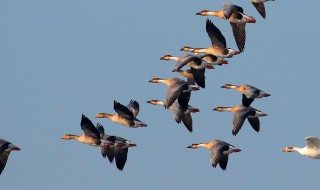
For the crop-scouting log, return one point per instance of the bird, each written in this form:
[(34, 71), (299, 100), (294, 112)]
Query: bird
[(240, 114), (5, 150), (126, 115), (197, 66), (91, 135), (249, 93), (234, 14), (209, 58), (176, 86), (117, 151), (219, 152), (194, 61), (258, 4), (311, 150), (180, 113), (218, 43)]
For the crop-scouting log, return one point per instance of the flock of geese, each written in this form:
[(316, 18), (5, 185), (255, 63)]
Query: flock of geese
[(178, 96)]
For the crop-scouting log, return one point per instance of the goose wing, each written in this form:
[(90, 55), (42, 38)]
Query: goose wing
[(134, 107), (3, 160), (174, 91), (229, 9), (177, 111), (184, 60), (121, 158), (239, 118), (122, 110), (260, 8), (215, 35), (198, 75), (239, 33), (313, 142), (255, 123), (100, 129), (88, 127), (217, 156), (187, 121), (108, 152)]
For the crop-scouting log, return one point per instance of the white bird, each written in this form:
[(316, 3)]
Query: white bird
[(312, 150)]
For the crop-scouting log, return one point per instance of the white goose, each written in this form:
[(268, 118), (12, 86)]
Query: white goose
[(312, 150)]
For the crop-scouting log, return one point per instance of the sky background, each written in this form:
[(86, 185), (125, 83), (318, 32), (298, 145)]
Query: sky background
[(62, 58)]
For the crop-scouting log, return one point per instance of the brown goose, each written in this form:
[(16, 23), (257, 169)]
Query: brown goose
[(176, 86), (209, 58), (91, 135), (126, 115), (240, 114), (197, 66), (249, 93), (219, 152), (234, 14), (180, 111)]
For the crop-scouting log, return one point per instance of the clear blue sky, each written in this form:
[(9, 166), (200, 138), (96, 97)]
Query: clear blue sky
[(62, 58)]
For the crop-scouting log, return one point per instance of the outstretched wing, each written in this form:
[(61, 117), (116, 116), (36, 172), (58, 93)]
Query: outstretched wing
[(216, 37), (3, 160), (173, 93), (229, 8), (255, 123), (121, 158), (313, 142), (134, 107), (239, 33), (239, 118), (122, 110), (88, 127), (184, 60), (260, 8)]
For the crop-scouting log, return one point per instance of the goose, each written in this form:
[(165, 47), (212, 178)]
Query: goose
[(91, 135), (312, 150), (197, 67), (5, 149), (234, 14), (209, 58), (249, 93), (240, 114), (176, 86), (259, 5), (118, 151), (126, 115), (219, 152), (179, 113), (219, 45), (193, 61)]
